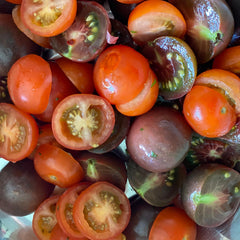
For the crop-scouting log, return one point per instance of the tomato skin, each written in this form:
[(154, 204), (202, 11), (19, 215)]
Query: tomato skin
[(18, 128), (120, 73), (111, 201), (50, 20), (29, 83), (14, 1), (208, 111), (173, 223), (56, 166)]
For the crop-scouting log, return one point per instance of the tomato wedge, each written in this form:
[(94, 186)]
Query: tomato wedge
[(48, 18)]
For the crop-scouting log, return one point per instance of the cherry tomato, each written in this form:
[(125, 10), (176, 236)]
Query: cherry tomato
[(44, 218), (46, 18), (57, 166), (18, 133), (65, 209), (83, 121), (101, 211), (173, 223), (145, 99), (120, 73), (80, 74), (14, 1), (154, 18), (29, 83), (208, 111), (129, 1)]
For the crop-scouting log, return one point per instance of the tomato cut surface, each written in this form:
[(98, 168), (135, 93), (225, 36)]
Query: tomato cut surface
[(101, 211), (48, 18), (18, 133), (83, 121)]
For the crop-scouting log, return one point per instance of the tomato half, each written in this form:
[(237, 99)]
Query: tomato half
[(48, 18), (208, 111), (101, 211), (173, 223), (29, 83), (18, 133), (57, 166), (65, 209), (120, 73), (83, 121)]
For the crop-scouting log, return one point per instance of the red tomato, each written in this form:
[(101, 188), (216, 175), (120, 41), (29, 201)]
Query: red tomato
[(101, 211), (56, 166), (46, 18), (29, 83), (83, 121), (120, 73), (145, 99), (208, 111), (129, 1), (173, 223), (154, 18), (18, 133), (44, 218), (15, 1), (65, 209), (79, 73)]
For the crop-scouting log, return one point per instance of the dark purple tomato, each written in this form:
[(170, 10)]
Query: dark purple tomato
[(13, 44), (210, 194), (210, 26), (21, 188), (159, 140), (4, 94), (87, 36), (174, 63), (157, 189)]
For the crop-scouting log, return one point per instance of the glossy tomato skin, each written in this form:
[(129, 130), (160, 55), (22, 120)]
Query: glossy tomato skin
[(83, 121), (120, 73), (208, 111), (25, 129), (29, 83), (102, 211)]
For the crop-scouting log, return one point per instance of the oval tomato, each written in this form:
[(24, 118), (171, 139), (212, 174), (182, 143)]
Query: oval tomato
[(101, 211), (46, 18), (173, 223), (29, 83), (56, 166), (18, 133), (83, 121), (208, 111), (120, 73)]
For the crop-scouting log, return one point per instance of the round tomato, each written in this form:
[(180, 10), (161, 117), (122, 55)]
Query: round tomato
[(83, 121), (14, 1), (18, 133), (64, 211), (129, 1), (154, 18), (173, 223), (46, 18), (29, 83), (101, 211), (56, 166), (208, 111), (120, 73)]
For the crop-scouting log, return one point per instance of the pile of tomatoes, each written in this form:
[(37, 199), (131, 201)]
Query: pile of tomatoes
[(161, 79)]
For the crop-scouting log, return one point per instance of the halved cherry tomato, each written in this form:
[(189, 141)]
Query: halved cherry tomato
[(48, 18), (65, 209), (154, 18), (101, 211), (208, 111), (18, 133), (173, 223), (57, 166), (145, 99), (44, 218), (29, 83), (79, 73), (83, 121), (120, 73)]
